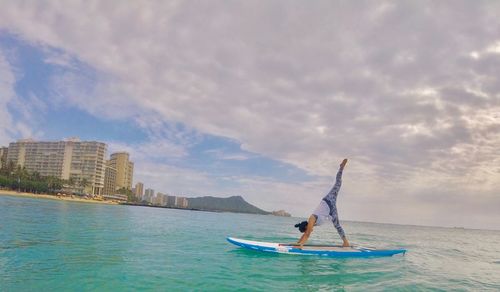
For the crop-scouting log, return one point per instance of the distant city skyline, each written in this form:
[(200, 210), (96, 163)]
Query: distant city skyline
[(209, 99), (73, 159)]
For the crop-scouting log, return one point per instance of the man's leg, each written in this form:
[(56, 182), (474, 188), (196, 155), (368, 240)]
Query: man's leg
[(332, 194), (336, 224), (341, 232)]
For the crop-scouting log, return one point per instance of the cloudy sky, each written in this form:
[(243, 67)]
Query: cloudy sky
[(264, 98)]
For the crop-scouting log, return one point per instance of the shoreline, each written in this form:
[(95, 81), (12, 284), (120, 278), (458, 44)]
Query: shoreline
[(82, 200), (53, 197), (190, 209)]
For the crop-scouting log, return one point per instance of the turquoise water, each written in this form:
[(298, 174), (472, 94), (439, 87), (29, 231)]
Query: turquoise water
[(54, 246)]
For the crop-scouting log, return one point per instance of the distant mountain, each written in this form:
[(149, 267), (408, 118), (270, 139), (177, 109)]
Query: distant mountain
[(232, 204)]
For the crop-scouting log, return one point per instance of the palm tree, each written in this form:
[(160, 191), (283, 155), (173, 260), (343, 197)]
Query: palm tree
[(21, 172), (71, 181), (54, 183), (35, 176), (3, 162), (84, 183), (9, 169)]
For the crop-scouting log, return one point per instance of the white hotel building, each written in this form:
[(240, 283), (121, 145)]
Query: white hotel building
[(63, 159)]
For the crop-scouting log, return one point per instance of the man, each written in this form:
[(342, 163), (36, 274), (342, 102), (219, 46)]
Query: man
[(326, 211)]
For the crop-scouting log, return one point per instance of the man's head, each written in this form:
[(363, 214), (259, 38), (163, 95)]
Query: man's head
[(302, 226)]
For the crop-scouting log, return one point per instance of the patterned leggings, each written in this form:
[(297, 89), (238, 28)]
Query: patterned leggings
[(331, 200)]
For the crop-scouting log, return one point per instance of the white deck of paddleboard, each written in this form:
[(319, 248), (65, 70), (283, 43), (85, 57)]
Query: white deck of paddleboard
[(279, 246)]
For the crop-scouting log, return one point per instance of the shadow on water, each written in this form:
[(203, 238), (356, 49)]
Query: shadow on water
[(309, 273), (243, 252), (17, 243), (320, 273)]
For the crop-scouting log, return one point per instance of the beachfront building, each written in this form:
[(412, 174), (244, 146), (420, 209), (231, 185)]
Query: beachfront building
[(139, 190), (82, 162), (109, 180), (157, 199), (148, 195), (171, 201), (181, 202), (161, 199), (3, 156), (154, 201), (124, 169), (116, 197)]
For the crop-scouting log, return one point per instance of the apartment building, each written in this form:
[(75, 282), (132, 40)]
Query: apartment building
[(70, 159), (148, 195), (109, 180), (181, 202), (3, 156), (171, 201), (139, 190), (124, 169)]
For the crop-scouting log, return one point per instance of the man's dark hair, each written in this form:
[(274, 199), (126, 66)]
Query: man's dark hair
[(302, 226)]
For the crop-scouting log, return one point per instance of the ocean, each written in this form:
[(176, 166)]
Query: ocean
[(49, 245)]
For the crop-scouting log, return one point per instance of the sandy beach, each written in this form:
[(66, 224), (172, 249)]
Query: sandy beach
[(53, 197)]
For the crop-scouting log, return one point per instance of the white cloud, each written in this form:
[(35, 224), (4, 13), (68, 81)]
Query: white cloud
[(12, 127), (494, 48), (17, 115), (59, 58), (224, 155), (152, 150), (173, 180), (410, 95), (7, 93)]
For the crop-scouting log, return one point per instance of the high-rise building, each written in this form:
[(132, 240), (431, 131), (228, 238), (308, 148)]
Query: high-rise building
[(158, 199), (109, 180), (149, 192), (148, 195), (81, 161), (3, 156), (181, 202), (139, 190), (171, 201), (161, 199), (124, 169)]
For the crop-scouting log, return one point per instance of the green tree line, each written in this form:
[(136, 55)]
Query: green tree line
[(130, 195), (16, 177)]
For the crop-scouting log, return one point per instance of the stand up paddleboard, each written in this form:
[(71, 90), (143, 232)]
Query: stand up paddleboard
[(334, 251)]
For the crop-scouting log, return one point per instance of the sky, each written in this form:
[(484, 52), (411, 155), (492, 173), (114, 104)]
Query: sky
[(264, 99)]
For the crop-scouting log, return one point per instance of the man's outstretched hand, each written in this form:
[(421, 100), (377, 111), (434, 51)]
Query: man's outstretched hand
[(344, 162)]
